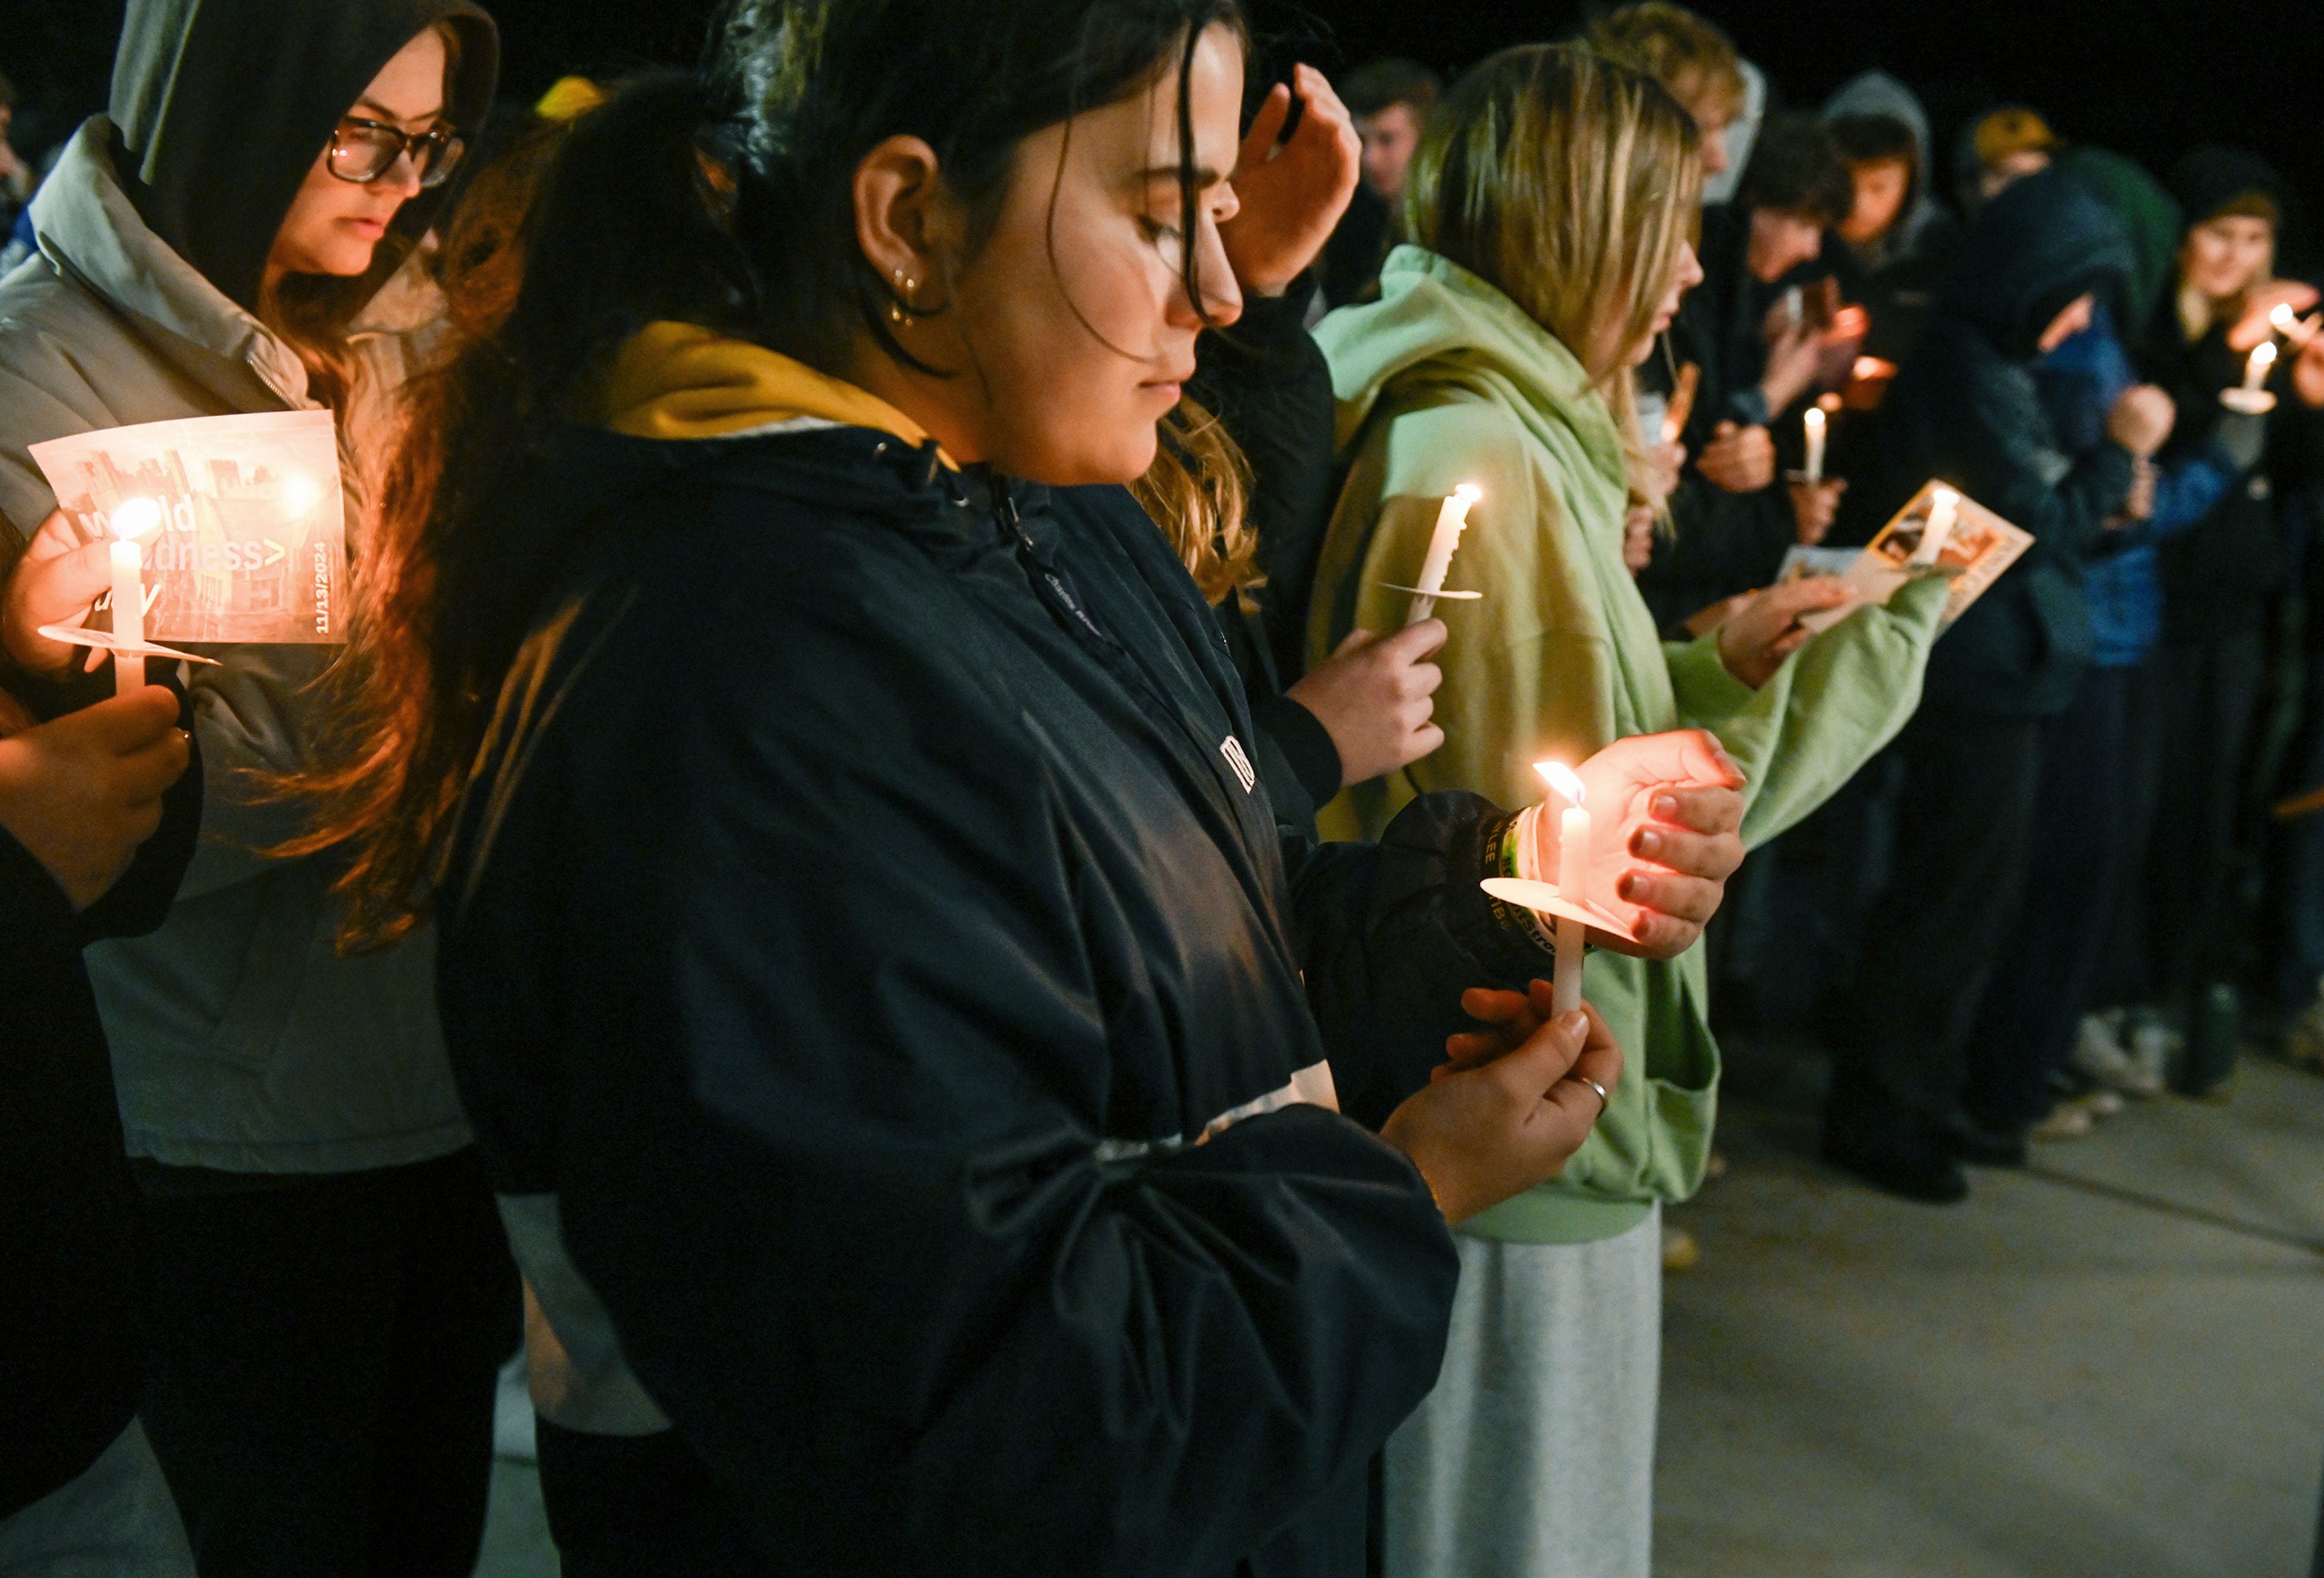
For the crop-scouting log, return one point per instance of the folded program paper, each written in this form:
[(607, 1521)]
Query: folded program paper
[(252, 541)]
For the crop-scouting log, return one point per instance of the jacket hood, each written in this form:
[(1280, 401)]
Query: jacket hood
[(1435, 319), (680, 381), (2208, 179), (2150, 219), (2039, 244), (221, 106), (1876, 93)]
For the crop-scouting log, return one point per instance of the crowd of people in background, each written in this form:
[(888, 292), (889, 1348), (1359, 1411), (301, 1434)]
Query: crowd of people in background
[(886, 885)]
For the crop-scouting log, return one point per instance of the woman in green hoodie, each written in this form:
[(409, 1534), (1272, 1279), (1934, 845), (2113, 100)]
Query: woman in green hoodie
[(1550, 205)]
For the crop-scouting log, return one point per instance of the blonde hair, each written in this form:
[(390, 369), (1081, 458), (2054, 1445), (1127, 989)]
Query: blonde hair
[(1695, 61), (1198, 491), (1567, 182)]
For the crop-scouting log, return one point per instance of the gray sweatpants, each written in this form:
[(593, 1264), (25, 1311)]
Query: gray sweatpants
[(1534, 1455), (117, 1520)]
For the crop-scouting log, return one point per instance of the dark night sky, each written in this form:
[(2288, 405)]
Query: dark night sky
[(2145, 76)]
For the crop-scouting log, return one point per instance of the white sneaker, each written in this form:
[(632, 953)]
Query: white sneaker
[(2067, 1120), (2101, 1103), (2156, 1046), (2303, 1044), (2100, 1053)]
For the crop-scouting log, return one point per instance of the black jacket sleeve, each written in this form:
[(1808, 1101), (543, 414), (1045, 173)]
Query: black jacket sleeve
[(1391, 934), (1268, 382), (1993, 439), (834, 1155)]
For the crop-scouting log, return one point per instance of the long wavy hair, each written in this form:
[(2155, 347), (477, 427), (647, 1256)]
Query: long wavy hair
[(1570, 184), (722, 197)]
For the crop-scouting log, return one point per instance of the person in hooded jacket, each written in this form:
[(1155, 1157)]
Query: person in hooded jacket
[(332, 1290), (905, 1042), (1895, 246), (2220, 581), (1551, 204), (1966, 408), (1729, 530), (97, 815)]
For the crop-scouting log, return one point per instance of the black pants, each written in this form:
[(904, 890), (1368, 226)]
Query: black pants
[(638, 1507), (2207, 695), (320, 1392), (2076, 870), (1964, 816)]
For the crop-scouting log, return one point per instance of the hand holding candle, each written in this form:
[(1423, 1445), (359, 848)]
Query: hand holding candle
[(1572, 880), (1664, 814), (1451, 521), (132, 519)]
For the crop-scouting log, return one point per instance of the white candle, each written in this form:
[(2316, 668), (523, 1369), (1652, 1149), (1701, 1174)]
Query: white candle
[(1572, 884), (1451, 521), (2262, 357), (2282, 318), (1814, 420), (1943, 510), (130, 516)]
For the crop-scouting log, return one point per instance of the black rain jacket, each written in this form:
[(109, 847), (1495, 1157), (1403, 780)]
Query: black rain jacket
[(1965, 409), (72, 1250), (876, 935)]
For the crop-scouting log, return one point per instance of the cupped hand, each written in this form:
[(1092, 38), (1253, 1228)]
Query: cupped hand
[(2308, 371), (1513, 1115), (2254, 325), (1375, 697), (1739, 459), (1638, 537), (82, 792), (1292, 194), (1794, 362), (1814, 507), (1756, 639), (1664, 463), (1665, 814), (2141, 419), (54, 582)]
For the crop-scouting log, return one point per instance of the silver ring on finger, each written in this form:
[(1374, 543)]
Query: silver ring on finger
[(1604, 1100)]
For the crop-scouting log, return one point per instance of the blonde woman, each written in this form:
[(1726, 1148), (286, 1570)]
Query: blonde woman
[(1550, 206)]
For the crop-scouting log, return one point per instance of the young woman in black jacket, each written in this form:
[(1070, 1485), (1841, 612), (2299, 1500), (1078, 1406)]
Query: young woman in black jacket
[(907, 1044), (97, 818)]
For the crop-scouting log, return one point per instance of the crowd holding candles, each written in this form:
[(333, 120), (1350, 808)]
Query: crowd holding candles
[(1027, 832)]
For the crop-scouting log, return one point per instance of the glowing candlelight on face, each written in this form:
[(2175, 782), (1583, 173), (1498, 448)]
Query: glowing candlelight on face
[(132, 517), (2262, 357), (1573, 881), (1943, 508), (1815, 422), (1451, 521)]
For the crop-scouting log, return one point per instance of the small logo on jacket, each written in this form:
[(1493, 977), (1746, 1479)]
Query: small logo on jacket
[(1231, 748)]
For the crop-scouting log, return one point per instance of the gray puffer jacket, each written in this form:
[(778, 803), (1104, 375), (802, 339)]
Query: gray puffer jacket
[(241, 1042)]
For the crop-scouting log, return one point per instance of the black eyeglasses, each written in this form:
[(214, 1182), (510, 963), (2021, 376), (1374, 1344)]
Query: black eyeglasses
[(364, 150)]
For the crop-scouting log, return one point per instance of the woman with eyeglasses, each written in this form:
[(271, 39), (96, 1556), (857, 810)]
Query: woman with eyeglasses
[(331, 1290)]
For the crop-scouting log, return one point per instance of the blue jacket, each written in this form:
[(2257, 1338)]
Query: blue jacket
[(2079, 383)]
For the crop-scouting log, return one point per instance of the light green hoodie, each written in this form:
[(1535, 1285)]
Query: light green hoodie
[(1446, 381)]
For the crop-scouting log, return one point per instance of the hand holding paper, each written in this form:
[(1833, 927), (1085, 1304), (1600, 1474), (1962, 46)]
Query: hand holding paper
[(1667, 809), (54, 584)]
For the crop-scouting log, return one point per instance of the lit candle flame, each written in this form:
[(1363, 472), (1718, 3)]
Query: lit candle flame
[(1468, 493), (2263, 355), (300, 493), (133, 517), (1562, 779), (1944, 498), (2284, 317)]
